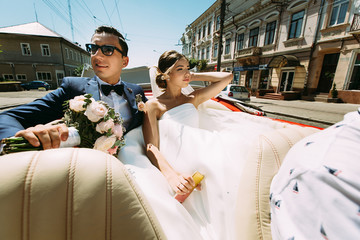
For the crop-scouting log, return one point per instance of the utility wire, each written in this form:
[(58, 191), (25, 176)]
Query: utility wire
[(56, 10), (117, 9), (90, 13), (106, 11)]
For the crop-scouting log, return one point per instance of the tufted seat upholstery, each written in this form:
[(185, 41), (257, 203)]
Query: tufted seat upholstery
[(71, 193), (263, 162)]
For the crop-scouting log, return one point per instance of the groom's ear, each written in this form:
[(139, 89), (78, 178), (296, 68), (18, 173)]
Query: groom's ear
[(125, 61)]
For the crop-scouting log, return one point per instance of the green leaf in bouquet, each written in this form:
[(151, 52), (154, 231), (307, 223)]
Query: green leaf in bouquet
[(108, 133)]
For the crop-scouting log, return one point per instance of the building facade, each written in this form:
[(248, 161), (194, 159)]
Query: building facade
[(33, 52), (283, 49)]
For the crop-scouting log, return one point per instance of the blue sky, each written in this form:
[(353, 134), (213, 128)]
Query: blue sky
[(151, 26)]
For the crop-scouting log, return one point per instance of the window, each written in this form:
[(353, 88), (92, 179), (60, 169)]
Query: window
[(45, 49), (355, 79), (209, 28), (207, 52), (199, 34), (217, 23), (240, 42), (21, 77), (8, 77), (227, 46), (204, 30), (270, 33), (203, 53), (25, 48), (67, 53), (44, 76), (71, 55), (215, 50), (253, 37), (338, 12), (59, 76), (296, 24)]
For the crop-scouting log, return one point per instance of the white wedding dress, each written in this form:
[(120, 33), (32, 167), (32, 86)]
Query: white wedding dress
[(213, 142)]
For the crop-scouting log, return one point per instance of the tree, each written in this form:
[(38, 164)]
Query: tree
[(202, 65), (334, 91), (78, 70), (193, 63)]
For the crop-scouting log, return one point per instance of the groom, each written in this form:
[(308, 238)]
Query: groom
[(108, 51)]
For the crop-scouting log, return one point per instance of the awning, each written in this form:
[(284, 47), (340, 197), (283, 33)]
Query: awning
[(284, 61)]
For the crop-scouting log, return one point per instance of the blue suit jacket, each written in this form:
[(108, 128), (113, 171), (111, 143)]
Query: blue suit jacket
[(50, 107)]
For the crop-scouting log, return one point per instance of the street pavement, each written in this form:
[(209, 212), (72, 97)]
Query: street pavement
[(319, 114)]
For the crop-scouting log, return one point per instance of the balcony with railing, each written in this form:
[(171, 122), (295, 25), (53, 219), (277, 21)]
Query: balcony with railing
[(355, 27), (252, 51)]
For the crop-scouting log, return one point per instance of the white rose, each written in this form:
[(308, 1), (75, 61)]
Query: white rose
[(103, 127), (95, 111), (104, 143), (118, 130), (77, 103)]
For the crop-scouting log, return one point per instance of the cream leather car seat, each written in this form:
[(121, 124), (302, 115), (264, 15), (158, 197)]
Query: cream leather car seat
[(71, 193)]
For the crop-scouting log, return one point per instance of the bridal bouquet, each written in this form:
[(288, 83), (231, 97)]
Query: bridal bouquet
[(92, 124)]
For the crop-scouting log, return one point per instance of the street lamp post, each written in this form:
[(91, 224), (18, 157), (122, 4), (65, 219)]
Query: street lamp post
[(222, 16)]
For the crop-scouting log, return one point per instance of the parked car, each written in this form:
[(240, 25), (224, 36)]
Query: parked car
[(35, 85), (236, 91)]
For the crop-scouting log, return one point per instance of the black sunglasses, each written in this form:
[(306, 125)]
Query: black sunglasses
[(107, 50)]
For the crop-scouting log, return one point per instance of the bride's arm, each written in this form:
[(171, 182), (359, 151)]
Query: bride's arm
[(152, 142), (218, 80)]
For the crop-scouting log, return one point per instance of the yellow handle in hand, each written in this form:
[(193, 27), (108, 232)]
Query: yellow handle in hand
[(198, 177)]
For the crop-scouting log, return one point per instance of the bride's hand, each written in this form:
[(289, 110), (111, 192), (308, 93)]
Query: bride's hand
[(182, 183)]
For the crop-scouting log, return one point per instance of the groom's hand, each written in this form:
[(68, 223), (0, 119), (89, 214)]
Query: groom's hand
[(49, 136)]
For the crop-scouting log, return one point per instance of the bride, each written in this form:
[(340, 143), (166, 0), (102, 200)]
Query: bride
[(180, 136)]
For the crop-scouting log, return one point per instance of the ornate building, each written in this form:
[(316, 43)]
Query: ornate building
[(283, 49)]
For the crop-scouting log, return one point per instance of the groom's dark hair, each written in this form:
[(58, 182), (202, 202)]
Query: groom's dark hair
[(115, 32)]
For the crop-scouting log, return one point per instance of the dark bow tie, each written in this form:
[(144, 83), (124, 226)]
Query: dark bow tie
[(106, 89)]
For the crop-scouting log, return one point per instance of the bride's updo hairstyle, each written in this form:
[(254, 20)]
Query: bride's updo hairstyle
[(166, 62)]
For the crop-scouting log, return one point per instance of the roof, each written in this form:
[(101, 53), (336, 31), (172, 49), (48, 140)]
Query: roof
[(34, 28)]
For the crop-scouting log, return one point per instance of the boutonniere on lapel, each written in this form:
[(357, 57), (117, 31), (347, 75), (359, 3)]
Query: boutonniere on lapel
[(130, 90), (140, 104)]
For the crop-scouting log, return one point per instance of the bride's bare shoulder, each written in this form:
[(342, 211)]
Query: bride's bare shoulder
[(155, 105)]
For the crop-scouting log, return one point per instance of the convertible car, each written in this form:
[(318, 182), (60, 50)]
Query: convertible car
[(78, 193)]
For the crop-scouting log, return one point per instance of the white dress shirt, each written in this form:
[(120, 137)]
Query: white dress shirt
[(119, 103)]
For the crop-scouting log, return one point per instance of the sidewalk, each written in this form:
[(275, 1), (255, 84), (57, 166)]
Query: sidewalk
[(321, 112), (13, 99)]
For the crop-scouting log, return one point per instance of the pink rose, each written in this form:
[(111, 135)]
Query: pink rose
[(141, 106), (77, 104), (95, 111), (103, 127), (105, 143), (118, 130), (113, 150)]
